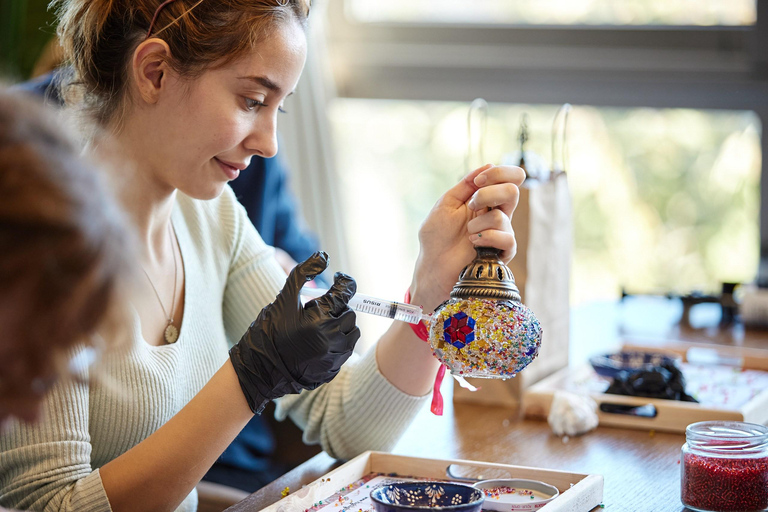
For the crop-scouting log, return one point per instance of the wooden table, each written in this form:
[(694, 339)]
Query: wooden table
[(641, 468)]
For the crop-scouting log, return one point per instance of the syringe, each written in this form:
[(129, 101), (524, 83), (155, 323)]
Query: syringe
[(375, 306)]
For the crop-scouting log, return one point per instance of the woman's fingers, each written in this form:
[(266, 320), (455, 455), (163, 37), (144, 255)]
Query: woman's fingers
[(494, 219), (497, 188), (493, 175), (503, 196), (336, 299), (503, 240), (493, 229), (460, 193)]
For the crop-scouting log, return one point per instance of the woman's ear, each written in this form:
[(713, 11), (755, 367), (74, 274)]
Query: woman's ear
[(150, 68)]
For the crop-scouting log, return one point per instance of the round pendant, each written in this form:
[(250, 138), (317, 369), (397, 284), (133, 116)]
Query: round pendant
[(171, 334)]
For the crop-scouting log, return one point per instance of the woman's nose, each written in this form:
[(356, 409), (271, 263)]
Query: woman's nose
[(262, 140)]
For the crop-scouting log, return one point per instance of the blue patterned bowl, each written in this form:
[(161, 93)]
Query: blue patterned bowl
[(409, 496), (609, 365)]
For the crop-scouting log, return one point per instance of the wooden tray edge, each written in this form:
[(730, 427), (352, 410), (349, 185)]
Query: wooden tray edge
[(583, 490)]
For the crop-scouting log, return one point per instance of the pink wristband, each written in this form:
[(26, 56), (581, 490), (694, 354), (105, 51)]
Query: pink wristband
[(420, 328)]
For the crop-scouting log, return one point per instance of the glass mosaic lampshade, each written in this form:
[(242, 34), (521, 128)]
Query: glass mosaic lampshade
[(484, 330)]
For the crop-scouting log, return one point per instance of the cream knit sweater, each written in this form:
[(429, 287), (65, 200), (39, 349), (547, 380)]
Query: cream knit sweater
[(231, 275)]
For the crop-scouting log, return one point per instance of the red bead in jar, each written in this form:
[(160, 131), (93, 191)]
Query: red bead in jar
[(724, 467)]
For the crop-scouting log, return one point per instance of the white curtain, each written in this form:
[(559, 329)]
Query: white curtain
[(307, 147)]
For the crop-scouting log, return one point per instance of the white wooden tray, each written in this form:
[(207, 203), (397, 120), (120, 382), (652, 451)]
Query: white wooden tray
[(578, 492), (649, 413)]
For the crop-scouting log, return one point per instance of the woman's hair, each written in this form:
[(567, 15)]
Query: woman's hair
[(65, 246), (100, 36)]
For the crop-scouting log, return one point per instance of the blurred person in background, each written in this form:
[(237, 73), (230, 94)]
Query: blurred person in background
[(65, 252)]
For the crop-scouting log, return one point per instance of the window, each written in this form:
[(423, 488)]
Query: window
[(663, 199), (559, 12)]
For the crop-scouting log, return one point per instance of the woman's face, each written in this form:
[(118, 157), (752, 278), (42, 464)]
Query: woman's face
[(204, 131)]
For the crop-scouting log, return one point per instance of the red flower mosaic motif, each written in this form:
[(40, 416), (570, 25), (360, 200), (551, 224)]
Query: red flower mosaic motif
[(459, 330)]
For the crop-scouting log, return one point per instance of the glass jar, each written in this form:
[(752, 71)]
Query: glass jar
[(724, 467)]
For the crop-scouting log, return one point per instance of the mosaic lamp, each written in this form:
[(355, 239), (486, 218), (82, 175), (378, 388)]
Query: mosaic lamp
[(484, 330)]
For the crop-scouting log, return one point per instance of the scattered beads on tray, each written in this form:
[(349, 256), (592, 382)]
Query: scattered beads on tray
[(496, 492)]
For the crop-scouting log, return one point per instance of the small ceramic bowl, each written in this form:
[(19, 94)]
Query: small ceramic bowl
[(515, 495), (609, 365), (441, 496)]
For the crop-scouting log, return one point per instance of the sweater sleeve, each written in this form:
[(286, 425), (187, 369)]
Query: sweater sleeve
[(254, 276), (359, 409), (47, 466)]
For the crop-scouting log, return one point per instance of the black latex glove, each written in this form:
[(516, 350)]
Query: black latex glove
[(291, 347)]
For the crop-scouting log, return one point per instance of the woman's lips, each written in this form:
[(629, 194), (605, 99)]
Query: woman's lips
[(230, 171)]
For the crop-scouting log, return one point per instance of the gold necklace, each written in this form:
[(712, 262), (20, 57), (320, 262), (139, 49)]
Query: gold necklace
[(171, 333)]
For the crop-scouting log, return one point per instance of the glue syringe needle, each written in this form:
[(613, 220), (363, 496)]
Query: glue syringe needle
[(373, 305)]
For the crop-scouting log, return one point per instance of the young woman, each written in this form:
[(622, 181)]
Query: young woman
[(190, 90)]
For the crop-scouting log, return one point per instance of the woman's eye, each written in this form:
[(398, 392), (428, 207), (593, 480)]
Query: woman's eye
[(252, 104)]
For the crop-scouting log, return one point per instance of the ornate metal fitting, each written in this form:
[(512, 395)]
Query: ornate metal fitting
[(487, 276)]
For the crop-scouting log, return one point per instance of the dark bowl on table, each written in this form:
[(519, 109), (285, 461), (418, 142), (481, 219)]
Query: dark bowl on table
[(610, 365), (410, 496)]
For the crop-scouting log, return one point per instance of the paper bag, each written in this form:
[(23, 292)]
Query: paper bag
[(542, 224), (543, 229)]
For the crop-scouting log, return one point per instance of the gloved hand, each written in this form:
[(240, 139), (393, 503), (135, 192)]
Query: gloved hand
[(291, 347)]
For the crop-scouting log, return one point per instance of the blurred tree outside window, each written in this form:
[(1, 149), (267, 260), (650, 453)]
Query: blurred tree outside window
[(663, 199), (559, 12)]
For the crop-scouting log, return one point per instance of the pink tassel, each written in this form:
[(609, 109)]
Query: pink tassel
[(437, 397)]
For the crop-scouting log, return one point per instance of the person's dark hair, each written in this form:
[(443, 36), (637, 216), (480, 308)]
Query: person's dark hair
[(65, 246), (100, 36)]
